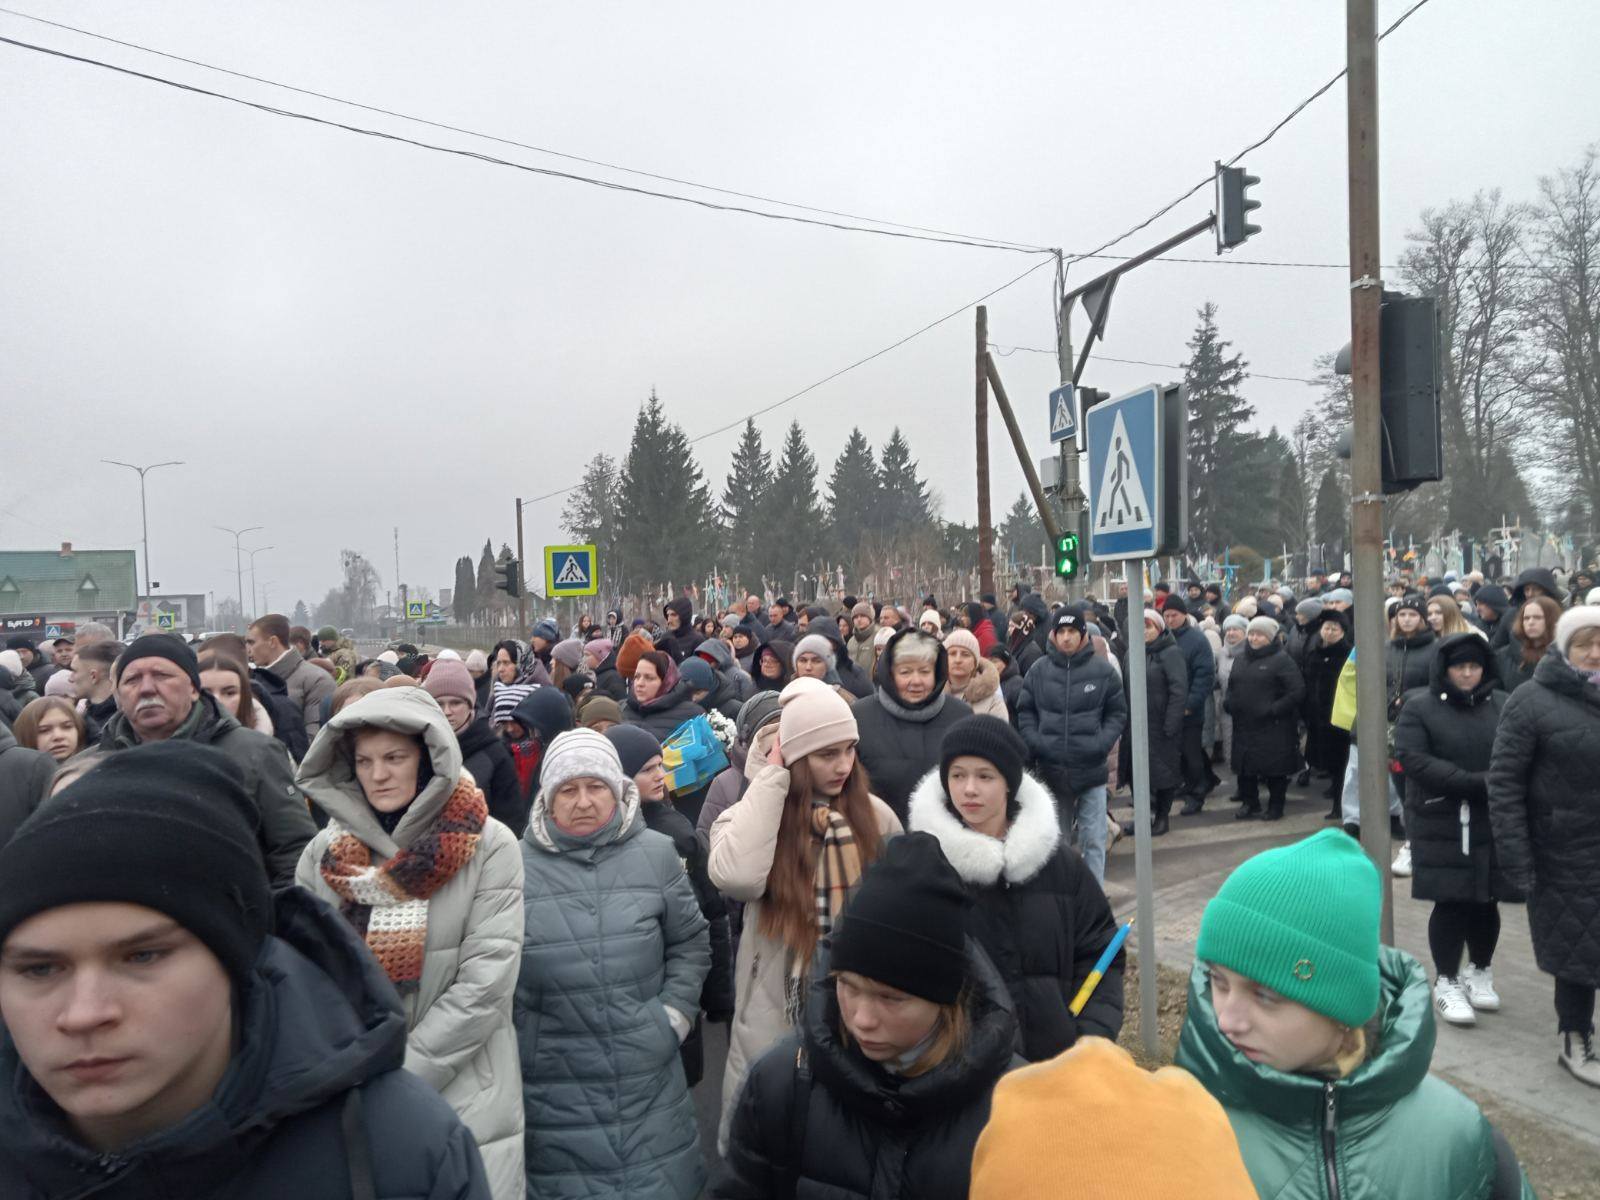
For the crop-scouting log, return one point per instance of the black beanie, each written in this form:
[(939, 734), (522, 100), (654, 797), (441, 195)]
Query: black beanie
[(162, 645), (166, 825), (906, 924), (990, 739), (635, 745), (1415, 603)]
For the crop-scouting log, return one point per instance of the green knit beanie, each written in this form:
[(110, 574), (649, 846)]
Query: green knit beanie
[(1303, 921)]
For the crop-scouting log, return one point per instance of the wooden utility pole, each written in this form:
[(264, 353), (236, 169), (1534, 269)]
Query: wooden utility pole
[(522, 566), (1051, 528), (981, 445), (1366, 470)]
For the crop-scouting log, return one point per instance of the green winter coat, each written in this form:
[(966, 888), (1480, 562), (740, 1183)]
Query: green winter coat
[(1387, 1131)]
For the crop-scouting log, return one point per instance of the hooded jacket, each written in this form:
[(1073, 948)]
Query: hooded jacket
[(899, 742), (25, 777), (852, 678), (1265, 694), (982, 692), (865, 1132), (1327, 745), (733, 688), (286, 824), (614, 936), (1544, 802), (1071, 711), (608, 681), (1389, 1128), (744, 842), (679, 642), (319, 1021), (1443, 740), (1408, 665), (459, 1038), (1037, 912)]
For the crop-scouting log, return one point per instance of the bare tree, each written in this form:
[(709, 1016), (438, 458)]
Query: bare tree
[(1563, 309), (1468, 256)]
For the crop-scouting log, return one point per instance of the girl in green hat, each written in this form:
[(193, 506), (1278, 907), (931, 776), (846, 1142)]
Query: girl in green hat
[(1316, 1040)]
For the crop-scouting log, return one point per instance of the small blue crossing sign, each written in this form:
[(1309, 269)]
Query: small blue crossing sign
[(1063, 414), (1126, 438), (571, 571)]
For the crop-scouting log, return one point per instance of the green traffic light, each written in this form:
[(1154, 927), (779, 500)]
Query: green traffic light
[(1067, 555)]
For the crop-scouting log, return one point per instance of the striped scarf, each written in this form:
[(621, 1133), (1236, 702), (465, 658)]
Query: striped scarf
[(838, 871), (387, 902)]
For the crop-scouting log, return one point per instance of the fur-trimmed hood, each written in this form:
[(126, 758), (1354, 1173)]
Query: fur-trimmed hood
[(980, 860), (984, 683)]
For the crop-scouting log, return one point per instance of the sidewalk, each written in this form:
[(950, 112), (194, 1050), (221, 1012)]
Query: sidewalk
[(1509, 1056)]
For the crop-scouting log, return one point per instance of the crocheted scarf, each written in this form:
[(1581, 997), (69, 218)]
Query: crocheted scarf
[(387, 902), (838, 872)]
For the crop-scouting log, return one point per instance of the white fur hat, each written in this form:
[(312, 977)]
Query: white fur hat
[(1586, 616)]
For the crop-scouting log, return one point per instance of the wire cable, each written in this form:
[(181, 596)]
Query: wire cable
[(505, 162), (1008, 351), (860, 362)]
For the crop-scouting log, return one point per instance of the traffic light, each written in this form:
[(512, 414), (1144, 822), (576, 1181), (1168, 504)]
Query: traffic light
[(510, 581), (1233, 205), (1067, 555), (1409, 376)]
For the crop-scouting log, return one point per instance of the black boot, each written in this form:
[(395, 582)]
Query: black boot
[(1192, 804), (1353, 830), (1248, 811), (1277, 790), (1163, 809), (1303, 779)]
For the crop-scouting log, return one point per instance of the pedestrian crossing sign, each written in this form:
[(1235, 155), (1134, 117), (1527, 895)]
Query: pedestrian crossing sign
[(1126, 463), (166, 620), (416, 610), (1063, 419), (571, 571)]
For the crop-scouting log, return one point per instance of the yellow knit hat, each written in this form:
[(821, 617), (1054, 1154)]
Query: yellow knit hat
[(1091, 1124)]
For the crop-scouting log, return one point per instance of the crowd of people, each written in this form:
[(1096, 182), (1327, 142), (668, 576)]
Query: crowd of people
[(279, 919)]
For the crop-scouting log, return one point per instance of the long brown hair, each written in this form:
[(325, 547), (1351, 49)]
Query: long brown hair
[(213, 660), (1532, 652), (788, 908)]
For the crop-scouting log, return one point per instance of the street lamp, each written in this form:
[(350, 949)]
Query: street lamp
[(144, 519), (254, 602), (238, 565)]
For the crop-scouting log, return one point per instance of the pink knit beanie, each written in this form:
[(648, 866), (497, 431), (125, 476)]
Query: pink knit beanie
[(963, 639), (814, 717), (598, 649), (449, 677)]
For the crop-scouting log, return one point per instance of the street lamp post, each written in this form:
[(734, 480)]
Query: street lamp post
[(255, 603), (238, 564), (144, 519)]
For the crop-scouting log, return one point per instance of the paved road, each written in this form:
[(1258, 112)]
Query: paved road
[(1510, 1054)]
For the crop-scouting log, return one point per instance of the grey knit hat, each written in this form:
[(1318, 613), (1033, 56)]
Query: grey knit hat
[(580, 754)]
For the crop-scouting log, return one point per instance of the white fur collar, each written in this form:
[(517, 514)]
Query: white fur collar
[(977, 858)]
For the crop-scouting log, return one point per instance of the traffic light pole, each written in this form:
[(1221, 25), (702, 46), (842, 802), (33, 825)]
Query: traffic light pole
[(1071, 490), (522, 603), (1366, 468), (981, 446)]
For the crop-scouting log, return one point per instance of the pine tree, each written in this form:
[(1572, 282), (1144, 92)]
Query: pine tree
[(302, 615), (749, 480), (487, 596), (1293, 508), (855, 496), (905, 507), (1220, 490), (464, 599), (589, 516), (666, 520), (1330, 521), (1021, 533), (790, 534)]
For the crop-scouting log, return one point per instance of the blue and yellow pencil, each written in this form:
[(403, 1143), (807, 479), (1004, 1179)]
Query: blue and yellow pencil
[(1096, 975)]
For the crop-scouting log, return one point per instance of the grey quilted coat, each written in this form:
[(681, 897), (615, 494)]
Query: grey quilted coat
[(458, 1022), (614, 935)]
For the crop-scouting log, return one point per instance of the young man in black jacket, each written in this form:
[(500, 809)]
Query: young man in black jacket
[(174, 1030)]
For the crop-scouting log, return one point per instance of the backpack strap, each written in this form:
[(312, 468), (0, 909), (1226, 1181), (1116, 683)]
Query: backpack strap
[(357, 1149)]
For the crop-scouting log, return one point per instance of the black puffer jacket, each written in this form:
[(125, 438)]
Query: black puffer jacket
[(679, 642), (841, 1127), (899, 742), (25, 777), (1408, 665), (1443, 741), (608, 681), (1037, 912), (485, 756), (1265, 692), (1327, 746), (1166, 693), (1070, 711), (1201, 666), (1544, 801), (319, 1020)]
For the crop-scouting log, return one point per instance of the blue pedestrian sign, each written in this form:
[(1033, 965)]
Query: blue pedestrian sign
[(571, 571), (1063, 414), (1126, 464)]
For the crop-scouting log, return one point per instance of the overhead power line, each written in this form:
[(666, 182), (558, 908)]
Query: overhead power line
[(1255, 145), (1008, 351)]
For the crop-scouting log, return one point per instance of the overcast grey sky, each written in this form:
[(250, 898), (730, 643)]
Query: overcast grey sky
[(340, 334)]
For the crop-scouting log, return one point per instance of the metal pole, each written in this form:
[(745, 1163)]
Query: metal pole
[(1070, 490), (1366, 476), (1032, 476), (144, 518), (238, 562), (522, 565), (1143, 863), (981, 448)]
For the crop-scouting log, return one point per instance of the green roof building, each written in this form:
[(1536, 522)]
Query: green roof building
[(68, 585)]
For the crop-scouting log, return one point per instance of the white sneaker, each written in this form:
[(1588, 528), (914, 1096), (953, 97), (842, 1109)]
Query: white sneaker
[(1577, 1055), (1402, 862), (1478, 982), (1451, 1001)]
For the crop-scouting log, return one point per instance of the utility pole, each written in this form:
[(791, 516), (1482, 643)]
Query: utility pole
[(522, 564), (1366, 471), (144, 519), (981, 444), (399, 587), (238, 559), (1073, 502)]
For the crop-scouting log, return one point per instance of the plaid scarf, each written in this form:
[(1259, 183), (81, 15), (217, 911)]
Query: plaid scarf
[(387, 902), (838, 871)]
